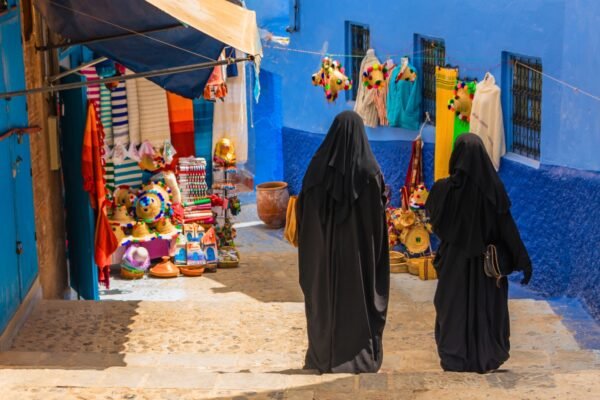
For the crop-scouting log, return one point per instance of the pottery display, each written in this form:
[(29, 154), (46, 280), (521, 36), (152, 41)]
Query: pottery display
[(165, 269), (271, 202)]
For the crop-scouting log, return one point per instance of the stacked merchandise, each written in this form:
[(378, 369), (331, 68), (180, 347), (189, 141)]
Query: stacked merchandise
[(194, 190)]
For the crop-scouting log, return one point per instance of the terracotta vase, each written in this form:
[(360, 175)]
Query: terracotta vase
[(271, 202)]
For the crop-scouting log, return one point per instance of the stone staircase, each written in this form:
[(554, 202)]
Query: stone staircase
[(240, 334)]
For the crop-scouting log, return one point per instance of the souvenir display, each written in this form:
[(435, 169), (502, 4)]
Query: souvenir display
[(398, 262), (331, 77), (135, 262), (374, 76), (209, 243), (418, 198), (461, 104), (164, 269), (124, 196)]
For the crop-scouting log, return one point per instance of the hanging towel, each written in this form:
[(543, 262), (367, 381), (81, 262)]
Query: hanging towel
[(230, 118), (365, 105), (93, 90), (105, 242), (414, 174), (486, 118), (120, 118), (203, 133), (445, 81), (133, 110), (181, 121), (404, 98), (106, 114), (154, 113)]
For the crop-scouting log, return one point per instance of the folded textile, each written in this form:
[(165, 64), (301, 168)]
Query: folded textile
[(154, 113), (120, 117), (133, 109)]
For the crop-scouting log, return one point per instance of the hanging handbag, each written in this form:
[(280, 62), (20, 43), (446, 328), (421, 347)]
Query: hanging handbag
[(497, 262), (290, 232)]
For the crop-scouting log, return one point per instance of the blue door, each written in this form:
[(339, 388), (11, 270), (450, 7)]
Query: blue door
[(18, 253)]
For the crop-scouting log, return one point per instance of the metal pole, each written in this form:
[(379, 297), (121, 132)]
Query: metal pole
[(149, 74), (77, 69), (105, 38)]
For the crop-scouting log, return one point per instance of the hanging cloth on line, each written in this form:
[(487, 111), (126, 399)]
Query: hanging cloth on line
[(154, 113), (365, 103), (181, 122), (445, 81)]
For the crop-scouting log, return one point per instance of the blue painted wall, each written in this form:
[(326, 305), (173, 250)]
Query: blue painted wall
[(552, 204), (17, 271)]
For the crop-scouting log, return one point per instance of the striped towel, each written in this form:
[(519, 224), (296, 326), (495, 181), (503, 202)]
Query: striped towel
[(109, 176), (154, 113), (120, 120), (106, 114), (133, 109), (92, 91), (128, 173)]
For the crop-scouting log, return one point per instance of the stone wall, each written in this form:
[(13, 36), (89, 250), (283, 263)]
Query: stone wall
[(47, 184)]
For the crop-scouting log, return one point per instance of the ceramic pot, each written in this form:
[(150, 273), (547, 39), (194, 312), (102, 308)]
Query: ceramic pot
[(271, 202)]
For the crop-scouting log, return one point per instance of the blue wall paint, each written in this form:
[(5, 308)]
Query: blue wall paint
[(563, 33), (17, 272)]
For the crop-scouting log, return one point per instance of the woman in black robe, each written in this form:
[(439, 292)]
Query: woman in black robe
[(343, 252), (469, 210)]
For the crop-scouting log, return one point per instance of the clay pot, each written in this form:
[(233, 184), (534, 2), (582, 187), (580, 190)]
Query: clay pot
[(271, 202)]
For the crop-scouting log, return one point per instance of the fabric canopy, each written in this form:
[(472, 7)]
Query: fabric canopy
[(191, 32)]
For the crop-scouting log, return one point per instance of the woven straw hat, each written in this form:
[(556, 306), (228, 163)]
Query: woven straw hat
[(141, 231), (150, 206), (121, 215), (161, 188), (165, 227), (417, 239), (123, 195), (407, 218), (119, 232)]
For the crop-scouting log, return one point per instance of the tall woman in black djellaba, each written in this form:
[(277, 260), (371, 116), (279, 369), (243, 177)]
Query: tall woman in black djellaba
[(469, 211), (343, 252)]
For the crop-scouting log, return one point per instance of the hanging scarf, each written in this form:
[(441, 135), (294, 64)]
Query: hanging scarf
[(414, 175), (105, 242)]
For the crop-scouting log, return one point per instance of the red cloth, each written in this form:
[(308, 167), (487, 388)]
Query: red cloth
[(181, 122), (414, 175), (105, 241)]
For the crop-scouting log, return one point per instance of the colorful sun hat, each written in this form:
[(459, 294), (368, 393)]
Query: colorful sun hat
[(136, 258), (159, 187), (124, 196), (119, 232), (121, 216), (141, 232), (417, 239), (150, 206), (419, 197)]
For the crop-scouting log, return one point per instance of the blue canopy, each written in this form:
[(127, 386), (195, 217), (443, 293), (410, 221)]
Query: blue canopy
[(172, 44)]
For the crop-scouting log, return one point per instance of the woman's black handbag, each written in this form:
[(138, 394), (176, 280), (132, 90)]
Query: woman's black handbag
[(497, 262)]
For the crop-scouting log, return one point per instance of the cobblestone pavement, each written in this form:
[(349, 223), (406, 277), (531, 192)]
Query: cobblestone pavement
[(240, 333)]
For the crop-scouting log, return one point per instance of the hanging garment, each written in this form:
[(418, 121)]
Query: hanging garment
[(365, 104), (120, 118), (154, 113), (93, 90), (380, 99), (445, 81), (230, 118), (203, 133), (404, 98), (181, 122), (414, 175), (105, 242), (468, 211), (216, 88), (343, 252), (486, 118), (126, 171), (133, 110)]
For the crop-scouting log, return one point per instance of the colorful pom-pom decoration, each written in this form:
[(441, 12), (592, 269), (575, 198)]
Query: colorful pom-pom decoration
[(463, 100), (332, 78)]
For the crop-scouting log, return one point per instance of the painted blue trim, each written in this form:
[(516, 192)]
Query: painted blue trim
[(418, 61)]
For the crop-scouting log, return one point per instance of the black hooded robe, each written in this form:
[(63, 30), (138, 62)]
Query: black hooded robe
[(343, 252), (469, 210)]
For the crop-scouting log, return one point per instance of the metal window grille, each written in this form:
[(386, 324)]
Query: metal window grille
[(294, 16), (360, 41), (433, 54), (526, 92)]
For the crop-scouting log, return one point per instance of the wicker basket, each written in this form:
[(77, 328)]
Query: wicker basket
[(129, 274), (399, 268), (230, 264), (396, 257)]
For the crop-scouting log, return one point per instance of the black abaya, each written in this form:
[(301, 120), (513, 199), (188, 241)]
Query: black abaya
[(469, 210), (343, 252)]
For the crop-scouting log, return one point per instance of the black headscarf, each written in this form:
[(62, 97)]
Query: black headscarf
[(463, 207), (343, 164)]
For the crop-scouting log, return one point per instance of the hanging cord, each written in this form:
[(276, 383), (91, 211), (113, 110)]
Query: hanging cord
[(567, 84), (130, 30)]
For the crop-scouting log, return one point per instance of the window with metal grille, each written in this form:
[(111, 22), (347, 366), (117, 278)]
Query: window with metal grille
[(522, 103), (294, 16), (358, 41), (429, 54)]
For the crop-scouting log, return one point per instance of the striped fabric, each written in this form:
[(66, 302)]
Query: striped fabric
[(92, 91), (109, 176), (120, 120), (133, 109), (128, 173), (154, 113), (106, 114), (203, 132)]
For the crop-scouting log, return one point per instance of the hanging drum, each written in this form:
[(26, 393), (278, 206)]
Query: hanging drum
[(416, 239)]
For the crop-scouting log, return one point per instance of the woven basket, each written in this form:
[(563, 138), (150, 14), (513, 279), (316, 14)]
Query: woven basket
[(399, 268), (230, 264), (129, 274), (396, 257)]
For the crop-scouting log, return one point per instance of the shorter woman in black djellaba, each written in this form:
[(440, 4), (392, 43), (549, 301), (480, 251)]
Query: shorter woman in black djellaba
[(470, 210), (343, 252)]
